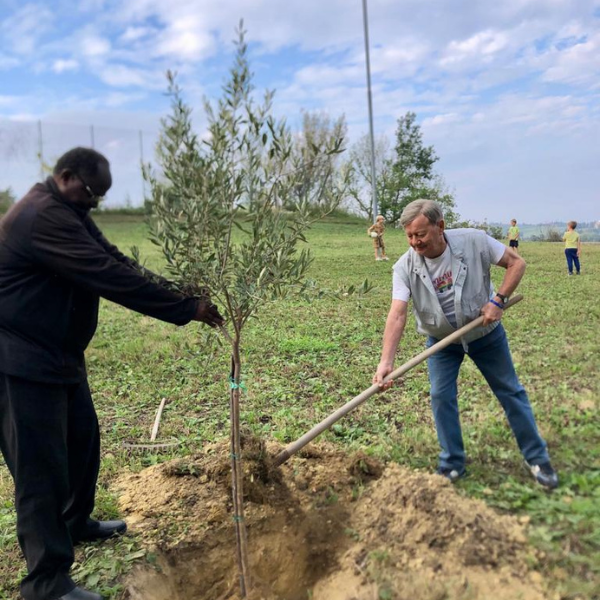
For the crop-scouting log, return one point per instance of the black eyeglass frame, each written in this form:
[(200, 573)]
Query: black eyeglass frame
[(88, 189)]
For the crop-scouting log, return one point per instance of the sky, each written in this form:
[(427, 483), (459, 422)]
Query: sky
[(508, 93)]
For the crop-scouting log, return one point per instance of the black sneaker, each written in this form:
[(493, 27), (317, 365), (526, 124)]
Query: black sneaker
[(452, 474), (544, 474)]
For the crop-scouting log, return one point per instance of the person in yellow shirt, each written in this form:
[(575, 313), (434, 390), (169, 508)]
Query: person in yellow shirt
[(572, 241), (513, 236)]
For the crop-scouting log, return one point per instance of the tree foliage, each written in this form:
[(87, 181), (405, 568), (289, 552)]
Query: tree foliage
[(317, 174), (361, 173), (548, 234), (218, 213), (238, 178), (495, 231), (7, 199), (406, 175)]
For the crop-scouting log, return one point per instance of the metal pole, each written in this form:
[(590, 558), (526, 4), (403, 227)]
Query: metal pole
[(141, 138), (92, 136), (41, 150), (370, 101)]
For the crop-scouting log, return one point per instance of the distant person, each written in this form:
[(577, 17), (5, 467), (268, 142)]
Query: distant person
[(55, 264), (572, 241), (513, 236), (376, 231), (447, 275)]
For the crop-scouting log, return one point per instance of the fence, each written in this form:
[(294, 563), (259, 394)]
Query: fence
[(29, 149)]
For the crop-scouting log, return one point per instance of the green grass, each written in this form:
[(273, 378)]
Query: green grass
[(304, 360)]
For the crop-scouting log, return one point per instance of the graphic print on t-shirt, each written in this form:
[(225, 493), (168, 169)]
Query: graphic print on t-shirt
[(440, 273), (443, 283)]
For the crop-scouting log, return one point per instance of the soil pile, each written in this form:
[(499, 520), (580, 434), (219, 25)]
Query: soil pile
[(324, 525)]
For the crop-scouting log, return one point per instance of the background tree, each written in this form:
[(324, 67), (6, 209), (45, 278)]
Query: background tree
[(409, 174), (317, 174), (216, 214), (7, 199), (495, 231), (361, 175)]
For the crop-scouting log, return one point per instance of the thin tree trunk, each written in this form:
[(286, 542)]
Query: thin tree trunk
[(237, 473)]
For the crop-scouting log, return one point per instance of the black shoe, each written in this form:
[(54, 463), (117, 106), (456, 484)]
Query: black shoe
[(452, 474), (80, 594), (101, 530), (544, 474)]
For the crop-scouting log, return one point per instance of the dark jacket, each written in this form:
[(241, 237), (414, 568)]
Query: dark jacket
[(55, 264)]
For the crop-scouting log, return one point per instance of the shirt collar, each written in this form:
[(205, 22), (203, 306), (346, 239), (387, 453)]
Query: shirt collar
[(56, 194)]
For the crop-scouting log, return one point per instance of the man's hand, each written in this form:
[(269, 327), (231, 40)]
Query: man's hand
[(208, 313), (382, 370), (491, 313)]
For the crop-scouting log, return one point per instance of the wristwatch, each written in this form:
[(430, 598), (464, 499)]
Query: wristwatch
[(502, 297)]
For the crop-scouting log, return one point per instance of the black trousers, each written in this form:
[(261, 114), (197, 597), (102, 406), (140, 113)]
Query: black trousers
[(50, 440)]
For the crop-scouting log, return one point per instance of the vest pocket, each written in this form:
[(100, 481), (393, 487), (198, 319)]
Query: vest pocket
[(428, 318), (475, 305)]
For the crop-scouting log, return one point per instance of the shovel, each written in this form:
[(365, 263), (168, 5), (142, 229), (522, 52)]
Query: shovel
[(292, 448)]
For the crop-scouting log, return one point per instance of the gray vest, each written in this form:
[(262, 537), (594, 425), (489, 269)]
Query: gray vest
[(471, 263)]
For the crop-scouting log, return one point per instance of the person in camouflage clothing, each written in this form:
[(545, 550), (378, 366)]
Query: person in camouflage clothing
[(376, 231)]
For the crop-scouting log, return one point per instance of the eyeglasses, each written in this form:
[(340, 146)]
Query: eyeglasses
[(88, 189)]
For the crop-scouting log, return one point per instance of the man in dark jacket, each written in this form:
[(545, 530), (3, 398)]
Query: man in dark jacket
[(55, 264)]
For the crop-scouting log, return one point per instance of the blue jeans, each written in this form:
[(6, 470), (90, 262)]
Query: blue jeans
[(571, 254), (492, 357)]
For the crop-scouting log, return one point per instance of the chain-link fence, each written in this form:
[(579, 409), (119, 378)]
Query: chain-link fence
[(29, 150)]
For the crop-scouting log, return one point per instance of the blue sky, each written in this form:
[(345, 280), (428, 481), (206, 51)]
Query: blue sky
[(507, 92)]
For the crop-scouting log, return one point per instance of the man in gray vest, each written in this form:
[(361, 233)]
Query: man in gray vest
[(447, 275)]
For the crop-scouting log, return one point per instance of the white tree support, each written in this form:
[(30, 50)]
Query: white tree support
[(157, 420)]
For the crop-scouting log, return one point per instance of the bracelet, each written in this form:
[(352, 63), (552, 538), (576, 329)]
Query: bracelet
[(500, 306)]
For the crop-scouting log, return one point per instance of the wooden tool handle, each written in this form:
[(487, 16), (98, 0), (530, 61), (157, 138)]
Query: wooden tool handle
[(292, 448)]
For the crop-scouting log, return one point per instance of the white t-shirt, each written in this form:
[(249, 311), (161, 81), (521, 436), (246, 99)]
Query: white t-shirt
[(440, 273)]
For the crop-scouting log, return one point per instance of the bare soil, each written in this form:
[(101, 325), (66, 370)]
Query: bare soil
[(325, 526)]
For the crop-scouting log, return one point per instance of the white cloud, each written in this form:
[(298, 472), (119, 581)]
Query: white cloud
[(117, 99), (480, 46), (94, 46), (487, 80), (8, 100), (123, 76), (578, 65), (62, 65), (393, 60), (328, 75), (23, 117), (133, 34), (8, 62), (443, 119), (184, 39), (22, 30)]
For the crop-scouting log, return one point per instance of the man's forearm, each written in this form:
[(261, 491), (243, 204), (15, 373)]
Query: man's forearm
[(394, 328), (512, 278)]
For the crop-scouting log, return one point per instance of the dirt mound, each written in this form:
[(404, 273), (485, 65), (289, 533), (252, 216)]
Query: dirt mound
[(418, 539), (324, 525)]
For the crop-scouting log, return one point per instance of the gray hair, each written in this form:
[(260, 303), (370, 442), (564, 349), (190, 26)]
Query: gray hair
[(431, 209)]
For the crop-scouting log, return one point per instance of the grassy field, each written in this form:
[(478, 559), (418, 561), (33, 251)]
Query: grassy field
[(303, 360)]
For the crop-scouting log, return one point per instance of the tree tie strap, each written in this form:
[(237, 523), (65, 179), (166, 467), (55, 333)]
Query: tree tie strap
[(235, 386)]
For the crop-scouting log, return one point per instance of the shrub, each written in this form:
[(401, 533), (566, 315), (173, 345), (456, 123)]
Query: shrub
[(7, 199)]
